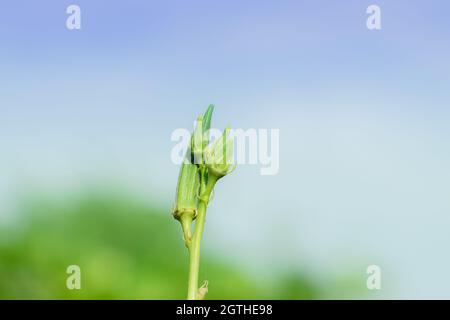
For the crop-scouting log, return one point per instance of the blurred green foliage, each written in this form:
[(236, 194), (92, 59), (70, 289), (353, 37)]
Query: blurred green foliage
[(125, 249)]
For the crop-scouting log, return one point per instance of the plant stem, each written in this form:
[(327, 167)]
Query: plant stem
[(194, 246)]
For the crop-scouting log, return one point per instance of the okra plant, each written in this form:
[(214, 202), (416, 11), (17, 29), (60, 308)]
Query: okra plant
[(204, 164)]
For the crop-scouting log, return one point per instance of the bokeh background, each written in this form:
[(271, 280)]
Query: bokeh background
[(86, 176)]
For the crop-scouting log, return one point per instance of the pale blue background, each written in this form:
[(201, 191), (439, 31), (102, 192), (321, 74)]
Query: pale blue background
[(363, 118)]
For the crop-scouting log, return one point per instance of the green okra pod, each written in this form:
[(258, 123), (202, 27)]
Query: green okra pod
[(219, 155), (204, 165), (197, 144), (186, 200)]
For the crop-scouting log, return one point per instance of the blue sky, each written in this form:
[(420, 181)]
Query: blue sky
[(363, 118)]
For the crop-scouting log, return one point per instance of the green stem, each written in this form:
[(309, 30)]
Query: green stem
[(194, 247)]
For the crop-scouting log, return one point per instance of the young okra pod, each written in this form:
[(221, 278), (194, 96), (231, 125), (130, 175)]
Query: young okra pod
[(219, 156), (200, 137), (186, 200), (203, 166)]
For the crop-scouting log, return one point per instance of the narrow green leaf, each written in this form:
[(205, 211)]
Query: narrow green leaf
[(207, 123), (207, 118)]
